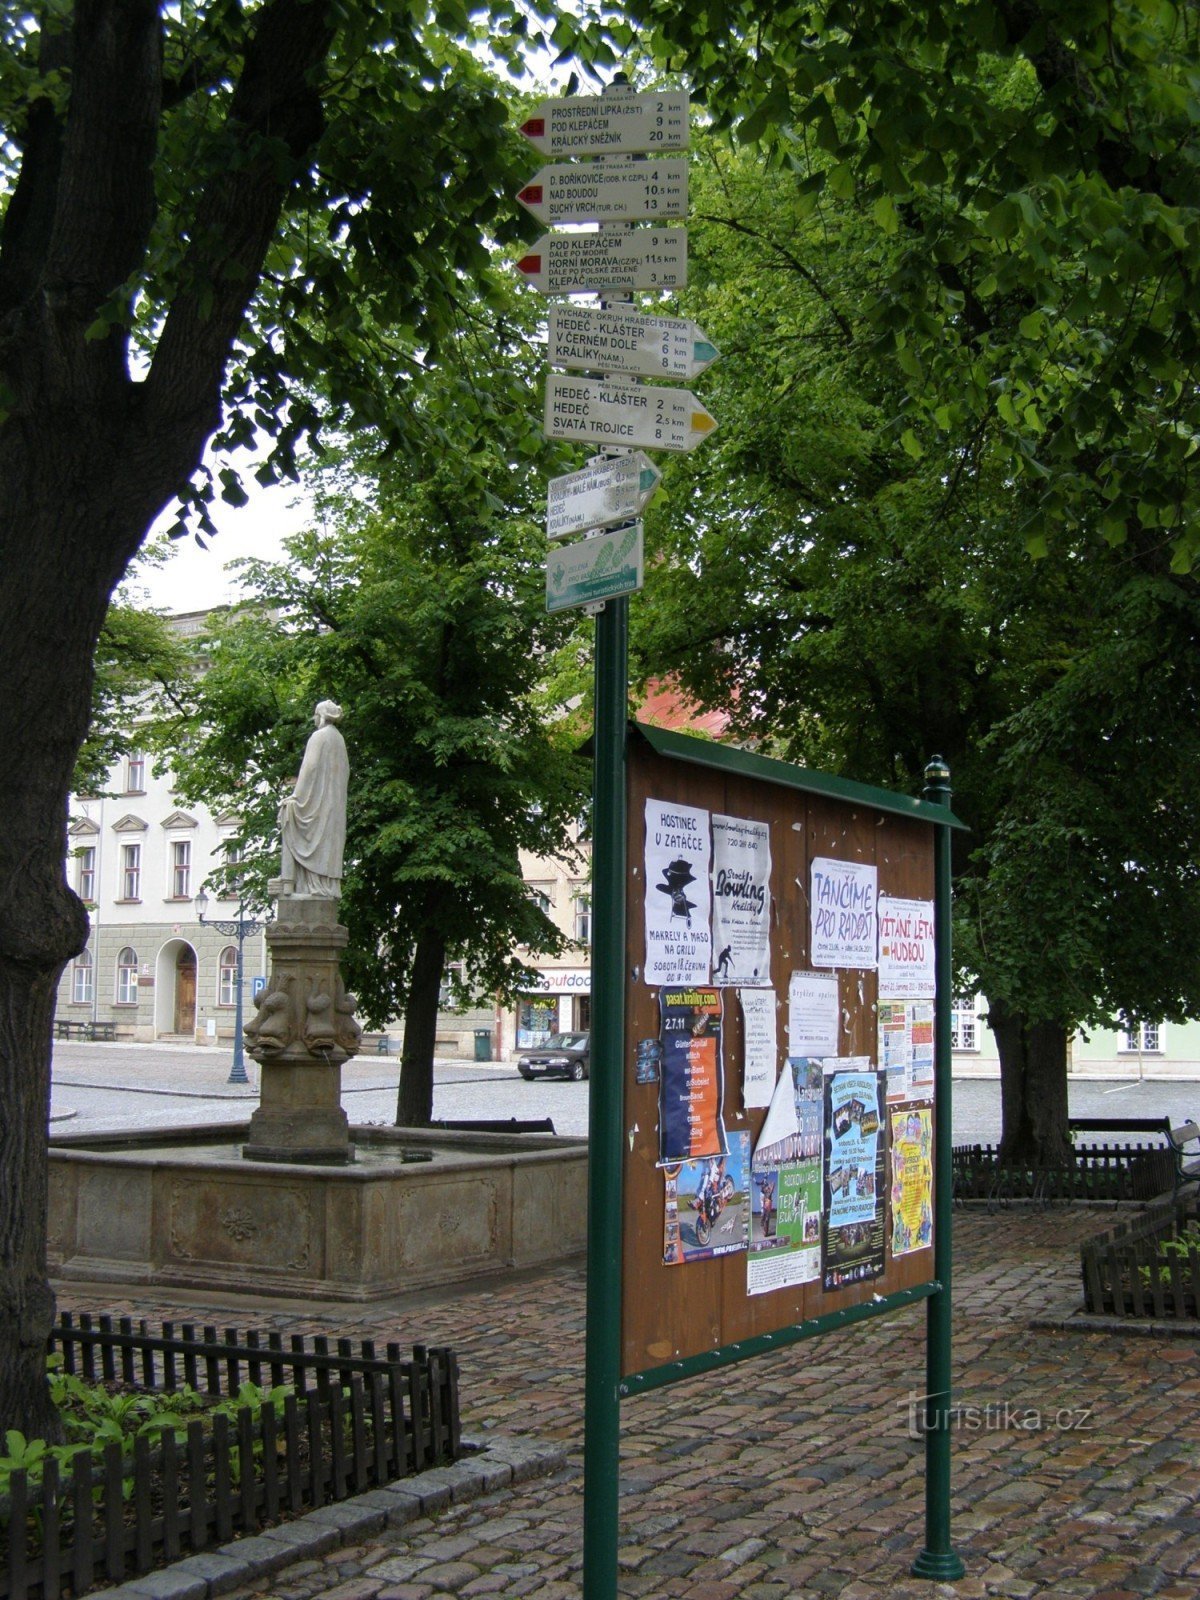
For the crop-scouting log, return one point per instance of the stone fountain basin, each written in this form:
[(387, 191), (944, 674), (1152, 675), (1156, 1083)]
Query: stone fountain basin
[(181, 1208)]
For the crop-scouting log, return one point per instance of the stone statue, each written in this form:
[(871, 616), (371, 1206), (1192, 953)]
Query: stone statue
[(312, 819)]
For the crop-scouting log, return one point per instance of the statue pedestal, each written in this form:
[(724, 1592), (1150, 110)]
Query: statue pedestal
[(303, 1031)]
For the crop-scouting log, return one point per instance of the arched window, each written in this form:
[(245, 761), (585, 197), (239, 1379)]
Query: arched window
[(81, 979), (127, 971), (227, 976)]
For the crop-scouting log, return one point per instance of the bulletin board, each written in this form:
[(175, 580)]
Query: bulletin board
[(701, 1275)]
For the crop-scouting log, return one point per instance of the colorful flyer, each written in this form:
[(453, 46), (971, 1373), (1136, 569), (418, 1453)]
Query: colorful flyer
[(691, 1088), (785, 1178), (842, 913), (854, 1172), (741, 884), (905, 1030), (906, 965), (759, 1045), (911, 1157), (813, 1017), (707, 1206), (678, 931)]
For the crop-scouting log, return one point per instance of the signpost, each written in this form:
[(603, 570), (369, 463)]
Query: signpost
[(590, 263), (604, 491), (622, 190), (609, 411), (614, 340), (592, 125), (596, 569)]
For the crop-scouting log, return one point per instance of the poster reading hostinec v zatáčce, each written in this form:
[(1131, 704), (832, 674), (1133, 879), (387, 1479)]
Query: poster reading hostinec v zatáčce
[(906, 964), (741, 882), (677, 898), (842, 913)]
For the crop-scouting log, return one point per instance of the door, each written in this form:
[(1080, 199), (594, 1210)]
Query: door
[(185, 992)]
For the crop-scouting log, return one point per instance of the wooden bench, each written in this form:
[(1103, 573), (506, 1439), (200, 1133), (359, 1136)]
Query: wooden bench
[(1139, 1125), (1187, 1168)]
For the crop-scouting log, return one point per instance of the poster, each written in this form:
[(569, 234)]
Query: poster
[(854, 1175), (678, 934), (906, 965), (785, 1178), (842, 913), (906, 1048), (691, 1086), (911, 1157), (813, 1018), (741, 885), (761, 1048), (707, 1206)]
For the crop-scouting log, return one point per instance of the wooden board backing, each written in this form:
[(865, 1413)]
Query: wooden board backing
[(671, 1313)]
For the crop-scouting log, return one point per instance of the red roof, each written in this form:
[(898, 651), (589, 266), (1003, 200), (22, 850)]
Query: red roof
[(667, 706)]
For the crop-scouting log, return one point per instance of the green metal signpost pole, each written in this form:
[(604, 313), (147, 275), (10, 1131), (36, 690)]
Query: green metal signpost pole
[(602, 1417), (937, 1560)]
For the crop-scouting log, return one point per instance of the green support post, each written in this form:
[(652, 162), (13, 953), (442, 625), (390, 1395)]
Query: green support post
[(938, 1560), (602, 1375)]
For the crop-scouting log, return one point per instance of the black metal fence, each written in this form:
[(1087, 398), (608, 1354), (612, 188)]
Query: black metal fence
[(352, 1419), (1148, 1267), (1106, 1172)]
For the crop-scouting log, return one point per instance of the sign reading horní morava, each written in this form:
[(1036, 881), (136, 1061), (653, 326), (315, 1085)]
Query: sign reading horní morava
[(602, 492), (592, 263)]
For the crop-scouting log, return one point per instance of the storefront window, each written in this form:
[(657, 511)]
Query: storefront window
[(536, 1021)]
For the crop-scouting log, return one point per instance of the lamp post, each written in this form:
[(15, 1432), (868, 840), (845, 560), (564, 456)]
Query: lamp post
[(233, 930)]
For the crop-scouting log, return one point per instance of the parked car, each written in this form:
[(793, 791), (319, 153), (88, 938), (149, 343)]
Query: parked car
[(566, 1055)]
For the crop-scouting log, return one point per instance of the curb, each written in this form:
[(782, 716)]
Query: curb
[(1130, 1327), (493, 1463)]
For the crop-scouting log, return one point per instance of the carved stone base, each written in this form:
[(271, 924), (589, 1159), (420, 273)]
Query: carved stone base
[(303, 1031)]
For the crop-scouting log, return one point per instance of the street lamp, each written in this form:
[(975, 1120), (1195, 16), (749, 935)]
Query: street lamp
[(232, 930)]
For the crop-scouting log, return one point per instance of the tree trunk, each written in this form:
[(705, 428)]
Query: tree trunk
[(414, 1103), (1033, 1088)]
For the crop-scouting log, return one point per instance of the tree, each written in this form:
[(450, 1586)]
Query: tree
[(137, 656), (1036, 164), (865, 605), (218, 223), (427, 620)]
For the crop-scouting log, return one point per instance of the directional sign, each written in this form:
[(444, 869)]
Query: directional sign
[(606, 411), (601, 125), (622, 341), (594, 569), (623, 189), (589, 263), (604, 491)]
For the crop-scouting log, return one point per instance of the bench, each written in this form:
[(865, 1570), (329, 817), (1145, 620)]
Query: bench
[(64, 1028), (494, 1125), (1187, 1168), (1120, 1125)]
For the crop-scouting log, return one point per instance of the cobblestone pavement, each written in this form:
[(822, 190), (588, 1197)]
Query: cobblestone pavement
[(792, 1476)]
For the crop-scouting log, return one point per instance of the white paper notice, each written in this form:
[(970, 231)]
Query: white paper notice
[(842, 911), (741, 873), (678, 935), (782, 1121), (906, 966), (758, 1026), (812, 1014)]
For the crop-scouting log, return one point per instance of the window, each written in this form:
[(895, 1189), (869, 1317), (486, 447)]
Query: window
[(85, 872), (1142, 1038), (234, 855), (583, 919), (135, 772), (81, 979), (127, 971), (131, 872), (227, 976), (181, 869), (540, 898), (964, 1026)]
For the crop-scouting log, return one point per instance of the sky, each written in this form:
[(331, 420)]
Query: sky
[(196, 580)]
